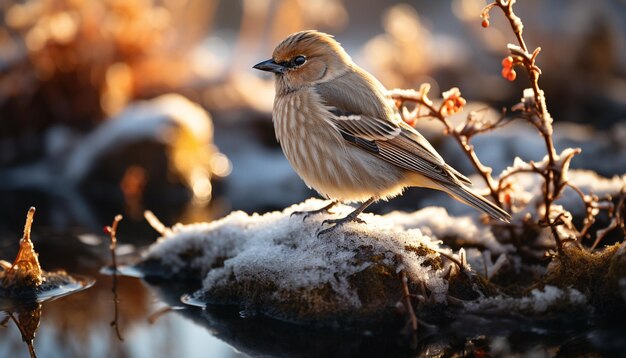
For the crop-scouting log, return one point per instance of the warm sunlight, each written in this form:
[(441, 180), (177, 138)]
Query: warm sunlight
[(312, 178)]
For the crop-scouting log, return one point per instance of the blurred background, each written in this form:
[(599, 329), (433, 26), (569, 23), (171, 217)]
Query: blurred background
[(118, 106)]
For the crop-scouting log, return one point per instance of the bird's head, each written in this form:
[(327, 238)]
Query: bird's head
[(305, 58)]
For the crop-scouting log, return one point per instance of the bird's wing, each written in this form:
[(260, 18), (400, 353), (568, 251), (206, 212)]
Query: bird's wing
[(396, 144), (365, 118)]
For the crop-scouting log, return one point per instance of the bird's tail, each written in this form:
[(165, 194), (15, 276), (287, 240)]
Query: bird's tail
[(463, 194)]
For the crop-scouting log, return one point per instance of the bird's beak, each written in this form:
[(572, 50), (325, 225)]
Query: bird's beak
[(270, 66)]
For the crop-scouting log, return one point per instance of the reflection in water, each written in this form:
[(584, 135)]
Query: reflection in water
[(112, 231), (466, 335), (26, 318), (79, 326), (26, 314)]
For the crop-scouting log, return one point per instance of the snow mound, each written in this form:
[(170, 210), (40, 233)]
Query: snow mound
[(275, 263)]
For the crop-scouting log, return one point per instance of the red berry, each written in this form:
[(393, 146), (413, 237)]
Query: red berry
[(507, 61), (485, 23), (511, 75)]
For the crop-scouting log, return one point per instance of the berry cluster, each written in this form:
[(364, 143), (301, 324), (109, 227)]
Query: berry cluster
[(453, 102), (507, 69)]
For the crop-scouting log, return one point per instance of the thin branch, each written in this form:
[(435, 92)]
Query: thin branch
[(603, 233), (407, 301), (420, 98), (112, 231)]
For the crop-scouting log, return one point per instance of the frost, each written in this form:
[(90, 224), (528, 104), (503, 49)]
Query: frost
[(482, 262), (539, 301), (528, 187)]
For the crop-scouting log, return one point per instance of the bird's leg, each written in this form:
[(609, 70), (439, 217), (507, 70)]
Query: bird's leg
[(325, 209), (353, 216)]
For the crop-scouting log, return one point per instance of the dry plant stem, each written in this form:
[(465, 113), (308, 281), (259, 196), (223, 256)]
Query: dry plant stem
[(25, 267), (590, 217), (156, 224), (158, 314), (451, 258), (112, 230), (31, 348), (485, 172), (602, 233), (407, 301), (552, 185), (533, 72), (616, 221)]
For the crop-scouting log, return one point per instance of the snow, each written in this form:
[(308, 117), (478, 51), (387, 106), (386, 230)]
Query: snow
[(539, 301), (140, 120), (527, 193), (282, 249), (70, 158), (482, 262), (435, 222)]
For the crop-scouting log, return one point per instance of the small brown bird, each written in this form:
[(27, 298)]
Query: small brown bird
[(343, 135)]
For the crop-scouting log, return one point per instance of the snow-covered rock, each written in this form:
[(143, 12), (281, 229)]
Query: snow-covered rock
[(277, 265)]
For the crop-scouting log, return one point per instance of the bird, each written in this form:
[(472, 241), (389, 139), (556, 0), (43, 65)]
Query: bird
[(344, 136)]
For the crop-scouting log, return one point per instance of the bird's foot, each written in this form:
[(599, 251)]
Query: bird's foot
[(325, 210), (335, 223), (353, 216)]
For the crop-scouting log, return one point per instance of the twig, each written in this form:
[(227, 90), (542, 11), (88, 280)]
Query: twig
[(156, 224), (451, 258), (535, 110), (616, 221), (407, 301), (603, 232), (156, 315), (402, 96), (112, 231)]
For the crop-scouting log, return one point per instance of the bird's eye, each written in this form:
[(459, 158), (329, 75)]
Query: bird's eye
[(299, 60)]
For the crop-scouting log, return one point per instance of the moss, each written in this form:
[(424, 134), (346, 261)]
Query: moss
[(433, 258), (616, 272), (378, 289), (49, 282), (593, 273)]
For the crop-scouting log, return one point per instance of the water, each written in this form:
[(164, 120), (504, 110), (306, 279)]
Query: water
[(78, 324)]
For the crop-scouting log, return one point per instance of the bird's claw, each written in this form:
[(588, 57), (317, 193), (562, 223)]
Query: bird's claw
[(337, 223), (325, 231), (306, 214), (343, 220)]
